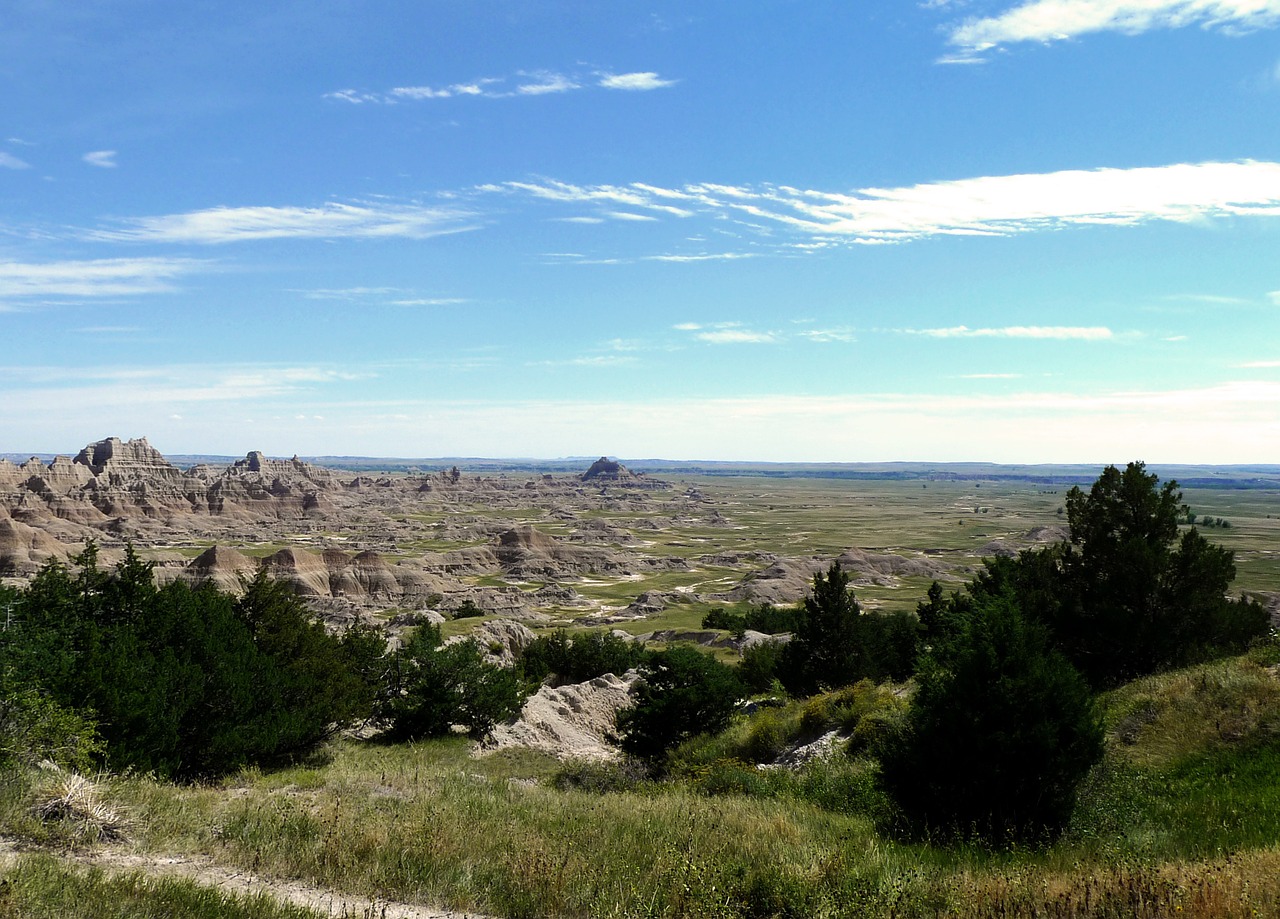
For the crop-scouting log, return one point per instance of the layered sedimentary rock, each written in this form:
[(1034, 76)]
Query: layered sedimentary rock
[(113, 478)]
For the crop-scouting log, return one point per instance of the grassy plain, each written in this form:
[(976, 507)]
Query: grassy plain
[(953, 523)]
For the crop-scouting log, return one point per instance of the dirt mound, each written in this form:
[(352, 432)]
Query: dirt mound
[(23, 549), (501, 640), (528, 539), (306, 573), (886, 567), (222, 566), (607, 470), (569, 722)]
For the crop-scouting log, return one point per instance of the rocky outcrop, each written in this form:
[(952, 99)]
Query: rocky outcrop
[(113, 479), (576, 721), (221, 566), (787, 580), (501, 640), (24, 549)]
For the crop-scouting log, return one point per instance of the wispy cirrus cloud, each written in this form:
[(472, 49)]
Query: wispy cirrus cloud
[(728, 333), (110, 277), (634, 82), (1056, 20), (521, 83), (329, 221), (1054, 333), (390, 296), (9, 161), (103, 159), (983, 206)]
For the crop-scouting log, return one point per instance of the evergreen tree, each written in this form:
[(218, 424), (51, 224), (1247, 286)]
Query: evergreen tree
[(999, 734), (435, 686), (682, 693)]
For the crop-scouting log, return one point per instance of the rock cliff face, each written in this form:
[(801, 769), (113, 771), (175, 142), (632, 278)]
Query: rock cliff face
[(114, 478)]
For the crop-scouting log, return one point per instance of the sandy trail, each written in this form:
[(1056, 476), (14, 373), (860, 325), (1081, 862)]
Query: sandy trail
[(241, 883)]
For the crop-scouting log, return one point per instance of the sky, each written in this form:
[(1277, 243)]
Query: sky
[(1023, 231)]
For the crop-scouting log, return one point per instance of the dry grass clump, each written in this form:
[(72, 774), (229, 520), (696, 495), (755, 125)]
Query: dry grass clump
[(1243, 886), (76, 802)]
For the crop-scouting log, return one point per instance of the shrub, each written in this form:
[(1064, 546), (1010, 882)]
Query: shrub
[(998, 737), (468, 610), (185, 682), (682, 692), (835, 644), (759, 667), (34, 728), (578, 659), (720, 618), (434, 687)]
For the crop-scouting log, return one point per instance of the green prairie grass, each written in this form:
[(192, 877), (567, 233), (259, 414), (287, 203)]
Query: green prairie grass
[(1180, 819)]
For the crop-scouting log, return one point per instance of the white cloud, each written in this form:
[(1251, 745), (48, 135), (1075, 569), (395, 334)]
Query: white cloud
[(421, 92), (634, 81), (1259, 365), (522, 83), (112, 277), (347, 293), (330, 221), (705, 257), (1055, 20), (990, 376), (737, 337), (624, 215), (103, 159), (728, 333), (429, 301), (9, 161), (595, 360), (829, 335), (544, 83), (983, 206), (1060, 333), (355, 97)]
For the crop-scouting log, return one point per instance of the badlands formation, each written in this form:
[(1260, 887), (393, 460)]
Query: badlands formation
[(544, 549)]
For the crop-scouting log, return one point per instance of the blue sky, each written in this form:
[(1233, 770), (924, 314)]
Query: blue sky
[(1004, 230)]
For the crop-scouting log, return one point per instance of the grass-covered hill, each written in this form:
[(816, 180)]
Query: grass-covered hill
[(1086, 729), (1181, 817)]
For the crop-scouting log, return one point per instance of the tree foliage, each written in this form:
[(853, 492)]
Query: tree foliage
[(835, 644), (581, 657), (1128, 595), (1000, 733), (682, 693), (181, 681), (434, 686)]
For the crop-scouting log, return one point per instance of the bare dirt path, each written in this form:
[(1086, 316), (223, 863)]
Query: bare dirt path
[(241, 883)]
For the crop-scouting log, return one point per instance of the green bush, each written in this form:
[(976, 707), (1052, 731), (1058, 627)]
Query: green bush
[(468, 610), (181, 681), (999, 735), (575, 660), (434, 686), (34, 728), (836, 644), (682, 692), (759, 667)]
